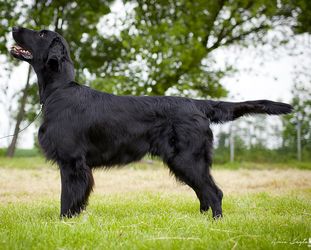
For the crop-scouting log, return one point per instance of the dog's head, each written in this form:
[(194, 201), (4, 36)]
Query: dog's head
[(40, 48)]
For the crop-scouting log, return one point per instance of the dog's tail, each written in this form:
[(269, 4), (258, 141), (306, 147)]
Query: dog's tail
[(219, 112)]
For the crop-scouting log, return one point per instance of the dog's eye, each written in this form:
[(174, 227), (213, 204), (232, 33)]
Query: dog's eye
[(41, 34)]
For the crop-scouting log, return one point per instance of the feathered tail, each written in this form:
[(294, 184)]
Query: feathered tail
[(219, 112)]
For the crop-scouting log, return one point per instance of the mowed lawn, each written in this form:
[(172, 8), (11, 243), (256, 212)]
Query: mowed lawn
[(141, 206)]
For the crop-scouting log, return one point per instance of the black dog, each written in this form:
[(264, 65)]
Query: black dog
[(83, 128)]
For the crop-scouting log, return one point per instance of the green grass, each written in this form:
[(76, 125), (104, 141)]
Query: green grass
[(257, 165), (24, 162), (148, 163), (19, 152), (155, 221), (145, 220)]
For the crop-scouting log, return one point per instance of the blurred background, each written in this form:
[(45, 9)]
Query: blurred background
[(224, 49)]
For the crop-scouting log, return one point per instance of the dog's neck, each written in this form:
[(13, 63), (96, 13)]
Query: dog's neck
[(49, 81)]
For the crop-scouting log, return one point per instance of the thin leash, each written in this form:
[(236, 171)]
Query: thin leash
[(7, 136)]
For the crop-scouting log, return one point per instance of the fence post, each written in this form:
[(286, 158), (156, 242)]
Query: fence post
[(231, 143), (298, 140)]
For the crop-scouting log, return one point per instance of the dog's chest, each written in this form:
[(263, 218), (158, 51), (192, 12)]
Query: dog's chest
[(51, 139)]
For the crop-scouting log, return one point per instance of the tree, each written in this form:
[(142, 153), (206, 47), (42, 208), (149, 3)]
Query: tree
[(80, 16), (299, 119), (165, 46), (297, 126), (168, 45), (8, 15), (19, 117), (303, 20)]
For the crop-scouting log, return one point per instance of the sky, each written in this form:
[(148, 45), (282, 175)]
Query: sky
[(264, 73)]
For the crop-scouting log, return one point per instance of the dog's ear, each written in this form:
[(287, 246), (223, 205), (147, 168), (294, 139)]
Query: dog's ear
[(56, 54)]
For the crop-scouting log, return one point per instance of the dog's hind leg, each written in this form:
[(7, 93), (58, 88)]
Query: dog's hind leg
[(77, 183), (195, 173), (212, 194)]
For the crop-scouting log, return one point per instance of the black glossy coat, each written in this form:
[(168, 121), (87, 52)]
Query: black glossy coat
[(83, 128)]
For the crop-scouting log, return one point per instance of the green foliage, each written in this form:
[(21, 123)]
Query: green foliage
[(27, 152), (8, 19), (164, 47), (259, 154), (172, 43), (303, 10), (2, 151), (302, 113), (76, 21), (22, 153), (155, 221), (221, 153), (264, 165)]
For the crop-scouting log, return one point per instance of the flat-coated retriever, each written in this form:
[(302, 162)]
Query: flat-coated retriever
[(83, 128)]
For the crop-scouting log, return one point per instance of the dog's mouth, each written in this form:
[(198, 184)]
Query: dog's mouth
[(20, 52)]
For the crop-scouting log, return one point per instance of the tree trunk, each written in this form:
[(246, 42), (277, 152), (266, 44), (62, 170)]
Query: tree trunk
[(20, 116)]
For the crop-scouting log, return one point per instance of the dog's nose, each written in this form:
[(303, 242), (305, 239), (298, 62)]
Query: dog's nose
[(15, 29)]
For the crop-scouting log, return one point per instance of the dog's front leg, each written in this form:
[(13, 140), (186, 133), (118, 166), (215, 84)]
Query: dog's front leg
[(77, 183)]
